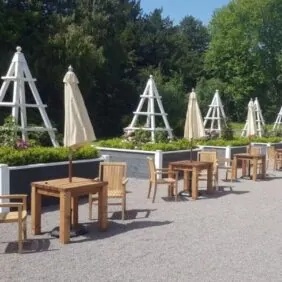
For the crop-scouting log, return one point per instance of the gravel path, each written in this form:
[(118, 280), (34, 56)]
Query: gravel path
[(230, 236)]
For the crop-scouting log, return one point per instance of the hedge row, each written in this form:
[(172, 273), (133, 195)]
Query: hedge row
[(182, 144), (15, 157)]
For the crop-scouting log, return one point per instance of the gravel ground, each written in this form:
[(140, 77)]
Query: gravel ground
[(229, 236)]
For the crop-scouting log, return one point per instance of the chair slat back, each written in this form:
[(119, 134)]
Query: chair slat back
[(113, 172), (152, 169), (255, 150), (207, 156)]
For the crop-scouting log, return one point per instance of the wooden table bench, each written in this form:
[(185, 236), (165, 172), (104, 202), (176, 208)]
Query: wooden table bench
[(195, 167), (68, 193)]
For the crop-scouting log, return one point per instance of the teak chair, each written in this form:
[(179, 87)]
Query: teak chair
[(209, 156), (274, 157), (155, 180), (18, 216), (115, 174)]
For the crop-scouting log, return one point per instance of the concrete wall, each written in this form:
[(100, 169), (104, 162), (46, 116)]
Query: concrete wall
[(137, 163)]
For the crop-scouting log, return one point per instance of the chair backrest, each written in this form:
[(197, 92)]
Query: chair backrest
[(113, 172), (255, 150), (152, 169), (208, 156)]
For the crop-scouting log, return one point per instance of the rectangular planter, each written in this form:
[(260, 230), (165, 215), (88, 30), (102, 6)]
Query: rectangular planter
[(17, 179), (137, 159)]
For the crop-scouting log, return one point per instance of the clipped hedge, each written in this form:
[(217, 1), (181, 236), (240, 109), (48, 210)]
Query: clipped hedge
[(33, 155), (119, 143)]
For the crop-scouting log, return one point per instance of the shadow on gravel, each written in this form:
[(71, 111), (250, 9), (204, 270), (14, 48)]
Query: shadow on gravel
[(221, 193), (116, 229), (30, 246), (133, 214)]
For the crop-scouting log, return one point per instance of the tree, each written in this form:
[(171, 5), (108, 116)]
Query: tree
[(244, 52)]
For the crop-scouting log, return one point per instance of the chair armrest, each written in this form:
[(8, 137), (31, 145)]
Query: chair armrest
[(14, 196), (12, 205), (124, 180)]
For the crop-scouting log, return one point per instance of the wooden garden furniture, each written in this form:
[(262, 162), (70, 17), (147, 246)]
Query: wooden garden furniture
[(19, 216), (115, 174), (255, 159), (209, 156), (196, 167), (156, 178), (68, 193)]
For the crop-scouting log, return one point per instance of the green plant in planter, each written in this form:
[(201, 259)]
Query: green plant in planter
[(8, 132), (227, 131)]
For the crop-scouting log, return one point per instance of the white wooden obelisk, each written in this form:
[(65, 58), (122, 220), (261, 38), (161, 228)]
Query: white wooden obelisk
[(278, 121), (215, 115), (19, 73), (150, 95), (259, 118)]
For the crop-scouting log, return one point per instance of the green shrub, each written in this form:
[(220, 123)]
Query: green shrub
[(13, 157)]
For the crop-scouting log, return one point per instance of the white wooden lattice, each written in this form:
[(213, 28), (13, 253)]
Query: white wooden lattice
[(19, 73), (260, 123), (278, 121), (150, 96), (215, 115)]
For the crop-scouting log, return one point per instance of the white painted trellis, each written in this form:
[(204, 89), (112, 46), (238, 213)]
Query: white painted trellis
[(260, 123), (150, 95), (215, 115), (19, 73), (278, 121)]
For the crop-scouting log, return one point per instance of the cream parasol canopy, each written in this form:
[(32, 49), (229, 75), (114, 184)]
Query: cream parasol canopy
[(78, 129)]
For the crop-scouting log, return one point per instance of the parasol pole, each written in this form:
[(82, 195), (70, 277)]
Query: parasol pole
[(70, 164)]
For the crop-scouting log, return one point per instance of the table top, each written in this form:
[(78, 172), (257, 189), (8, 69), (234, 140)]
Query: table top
[(249, 156), (63, 184), (190, 164)]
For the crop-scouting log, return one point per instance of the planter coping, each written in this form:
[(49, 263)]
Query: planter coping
[(264, 143), (52, 164), (142, 151), (210, 146), (180, 151)]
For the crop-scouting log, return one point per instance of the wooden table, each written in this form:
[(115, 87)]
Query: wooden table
[(250, 157), (195, 167), (68, 192)]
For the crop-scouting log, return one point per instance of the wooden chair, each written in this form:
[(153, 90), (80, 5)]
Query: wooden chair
[(273, 157), (255, 151), (155, 180), (115, 174), (18, 216), (209, 156), (227, 164)]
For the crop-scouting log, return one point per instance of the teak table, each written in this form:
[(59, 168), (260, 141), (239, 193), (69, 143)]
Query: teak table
[(68, 192), (250, 157), (195, 167)]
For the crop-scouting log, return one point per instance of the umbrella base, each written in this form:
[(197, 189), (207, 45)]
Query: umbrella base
[(74, 232)]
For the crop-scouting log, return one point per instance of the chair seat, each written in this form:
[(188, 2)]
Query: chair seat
[(111, 194), (11, 216)]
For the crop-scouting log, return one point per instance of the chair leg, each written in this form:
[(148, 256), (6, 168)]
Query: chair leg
[(155, 192), (175, 191), (149, 191), (123, 207), (20, 233), (24, 230), (90, 206)]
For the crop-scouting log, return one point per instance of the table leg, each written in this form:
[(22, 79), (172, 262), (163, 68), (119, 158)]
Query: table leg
[(169, 187), (234, 172), (186, 180), (255, 165), (65, 210), (103, 208), (35, 211), (194, 184), (74, 211), (263, 167), (210, 188)]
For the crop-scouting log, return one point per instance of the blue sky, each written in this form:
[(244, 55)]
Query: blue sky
[(177, 9)]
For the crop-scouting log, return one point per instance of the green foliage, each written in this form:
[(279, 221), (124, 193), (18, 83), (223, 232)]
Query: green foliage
[(180, 144), (34, 155), (142, 136), (8, 132), (227, 131)]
